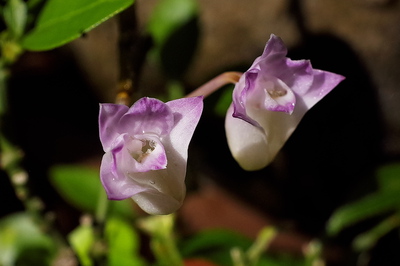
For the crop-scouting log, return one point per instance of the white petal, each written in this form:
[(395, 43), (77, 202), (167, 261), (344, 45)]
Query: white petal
[(247, 143), (156, 203)]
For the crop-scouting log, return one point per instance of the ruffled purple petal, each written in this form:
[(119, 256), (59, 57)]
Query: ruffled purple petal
[(275, 49), (147, 116), (109, 116), (245, 85)]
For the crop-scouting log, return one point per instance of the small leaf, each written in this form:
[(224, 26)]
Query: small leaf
[(82, 240), (81, 186), (15, 14), (123, 243), (367, 207), (62, 21)]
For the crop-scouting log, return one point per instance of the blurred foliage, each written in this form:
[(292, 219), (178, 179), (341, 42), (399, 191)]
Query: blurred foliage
[(15, 17), (174, 29), (228, 248), (22, 242), (82, 239), (224, 101), (123, 243), (168, 16), (81, 187), (116, 240), (162, 239), (384, 202)]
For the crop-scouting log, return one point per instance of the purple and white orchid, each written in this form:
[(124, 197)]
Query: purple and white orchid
[(146, 151), (269, 101)]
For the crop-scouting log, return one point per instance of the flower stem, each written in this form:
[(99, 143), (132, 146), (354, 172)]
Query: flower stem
[(216, 83), (102, 207)]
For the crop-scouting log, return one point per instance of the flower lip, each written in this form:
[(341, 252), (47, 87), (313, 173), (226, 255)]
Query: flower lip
[(278, 97)]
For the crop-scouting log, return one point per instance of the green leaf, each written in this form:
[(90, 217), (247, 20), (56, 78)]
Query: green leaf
[(81, 186), (22, 241), (211, 240), (367, 207), (82, 239), (15, 14), (62, 21), (168, 16), (123, 244)]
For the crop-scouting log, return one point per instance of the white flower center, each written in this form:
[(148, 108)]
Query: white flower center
[(275, 89), (139, 149)]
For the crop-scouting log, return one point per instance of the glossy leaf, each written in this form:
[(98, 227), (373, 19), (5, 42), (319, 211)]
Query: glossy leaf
[(63, 21), (81, 186)]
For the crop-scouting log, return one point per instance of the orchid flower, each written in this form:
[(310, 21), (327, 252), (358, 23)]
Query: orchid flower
[(146, 149), (269, 100)]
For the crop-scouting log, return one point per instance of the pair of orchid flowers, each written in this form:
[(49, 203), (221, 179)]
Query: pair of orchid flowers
[(146, 145)]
